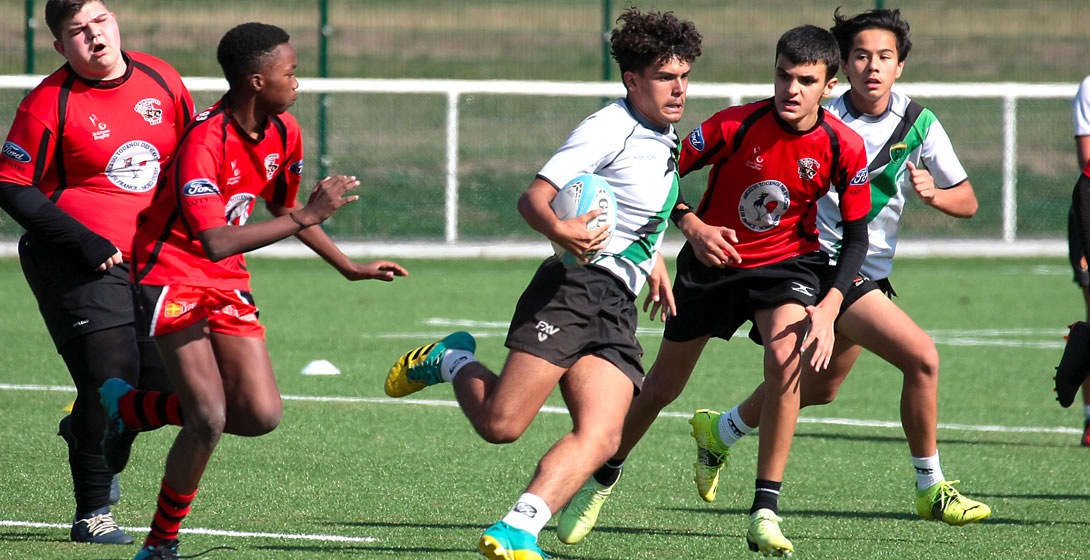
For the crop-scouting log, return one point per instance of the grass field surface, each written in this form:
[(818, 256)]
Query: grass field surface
[(352, 474)]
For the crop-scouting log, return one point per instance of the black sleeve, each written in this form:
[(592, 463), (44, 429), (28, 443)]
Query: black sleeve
[(680, 209), (852, 252), (1080, 204), (39, 216)]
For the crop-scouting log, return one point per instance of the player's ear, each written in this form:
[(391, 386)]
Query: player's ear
[(829, 87), (629, 80), (59, 47), (256, 82), (900, 68)]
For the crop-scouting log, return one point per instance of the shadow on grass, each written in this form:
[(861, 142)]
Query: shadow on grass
[(900, 439), (482, 527), (901, 516), (1035, 496)]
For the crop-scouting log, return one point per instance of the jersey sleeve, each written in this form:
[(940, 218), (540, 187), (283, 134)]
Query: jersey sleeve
[(28, 150), (590, 147), (854, 184), (705, 145), (200, 200), (937, 154), (1081, 106)]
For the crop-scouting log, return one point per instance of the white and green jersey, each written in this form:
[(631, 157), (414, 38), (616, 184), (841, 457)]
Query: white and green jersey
[(905, 132), (639, 161)]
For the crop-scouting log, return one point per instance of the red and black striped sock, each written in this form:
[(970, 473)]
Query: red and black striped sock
[(172, 509), (147, 410)]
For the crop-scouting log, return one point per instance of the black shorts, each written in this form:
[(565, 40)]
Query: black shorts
[(568, 312), (1075, 255), (75, 301), (860, 286), (717, 301)]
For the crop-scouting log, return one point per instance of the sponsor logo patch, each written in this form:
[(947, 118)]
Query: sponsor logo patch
[(763, 204), (271, 165), (296, 168), (134, 166), (200, 187), (696, 139), (545, 330), (16, 152), (238, 208), (860, 178), (808, 168), (149, 109)]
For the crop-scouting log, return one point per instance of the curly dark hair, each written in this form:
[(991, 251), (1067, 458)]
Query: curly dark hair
[(652, 38), (846, 29), (810, 44), (244, 49), (59, 11)]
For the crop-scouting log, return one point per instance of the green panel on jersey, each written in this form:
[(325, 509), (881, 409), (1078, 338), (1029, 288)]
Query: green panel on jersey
[(641, 249), (883, 186)]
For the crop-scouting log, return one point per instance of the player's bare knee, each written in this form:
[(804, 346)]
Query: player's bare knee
[(500, 430), (818, 397), (661, 393)]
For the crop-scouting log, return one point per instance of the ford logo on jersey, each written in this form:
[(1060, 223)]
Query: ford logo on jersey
[(860, 178), (200, 187), (696, 139), (16, 152), (297, 167)]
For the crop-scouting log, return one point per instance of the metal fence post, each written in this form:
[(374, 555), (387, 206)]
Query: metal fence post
[(324, 31), (31, 25)]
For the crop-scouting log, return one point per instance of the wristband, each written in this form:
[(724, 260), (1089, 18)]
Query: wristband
[(296, 220)]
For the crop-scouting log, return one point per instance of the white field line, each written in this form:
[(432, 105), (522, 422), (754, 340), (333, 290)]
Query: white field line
[(668, 414), (214, 532)]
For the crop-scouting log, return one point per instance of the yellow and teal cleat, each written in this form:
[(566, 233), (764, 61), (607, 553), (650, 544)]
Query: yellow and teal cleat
[(764, 535), (504, 542), (579, 516), (942, 502), (711, 453), (419, 367)]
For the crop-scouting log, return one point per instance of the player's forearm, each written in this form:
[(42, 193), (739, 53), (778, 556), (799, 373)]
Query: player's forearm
[(958, 201), (853, 251), (222, 242), (42, 218), (319, 241), (1082, 149)]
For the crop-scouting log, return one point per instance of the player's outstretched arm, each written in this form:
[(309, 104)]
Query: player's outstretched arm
[(958, 201), (571, 234), (660, 293), (221, 242)]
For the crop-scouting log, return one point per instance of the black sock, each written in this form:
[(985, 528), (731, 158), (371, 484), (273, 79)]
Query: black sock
[(607, 474), (766, 496)]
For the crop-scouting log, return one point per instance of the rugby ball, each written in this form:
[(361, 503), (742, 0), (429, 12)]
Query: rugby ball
[(581, 195)]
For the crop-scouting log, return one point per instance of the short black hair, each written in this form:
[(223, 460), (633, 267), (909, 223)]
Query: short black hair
[(244, 49), (59, 11), (810, 44), (652, 38), (845, 29)]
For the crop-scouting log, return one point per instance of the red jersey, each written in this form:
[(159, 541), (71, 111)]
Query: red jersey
[(215, 179), (768, 177), (95, 148)]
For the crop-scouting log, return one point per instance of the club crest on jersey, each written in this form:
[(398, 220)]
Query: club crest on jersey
[(16, 153), (763, 204), (149, 109), (860, 178), (200, 187), (134, 166), (296, 168), (696, 139), (272, 163), (808, 168), (898, 151), (238, 208)]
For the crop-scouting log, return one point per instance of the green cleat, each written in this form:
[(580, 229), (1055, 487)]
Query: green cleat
[(711, 454), (579, 516), (764, 535), (504, 542), (942, 502), (419, 368)]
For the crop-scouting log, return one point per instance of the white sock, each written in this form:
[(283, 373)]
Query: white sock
[(732, 428), (453, 362), (1086, 411), (529, 514), (928, 471)]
